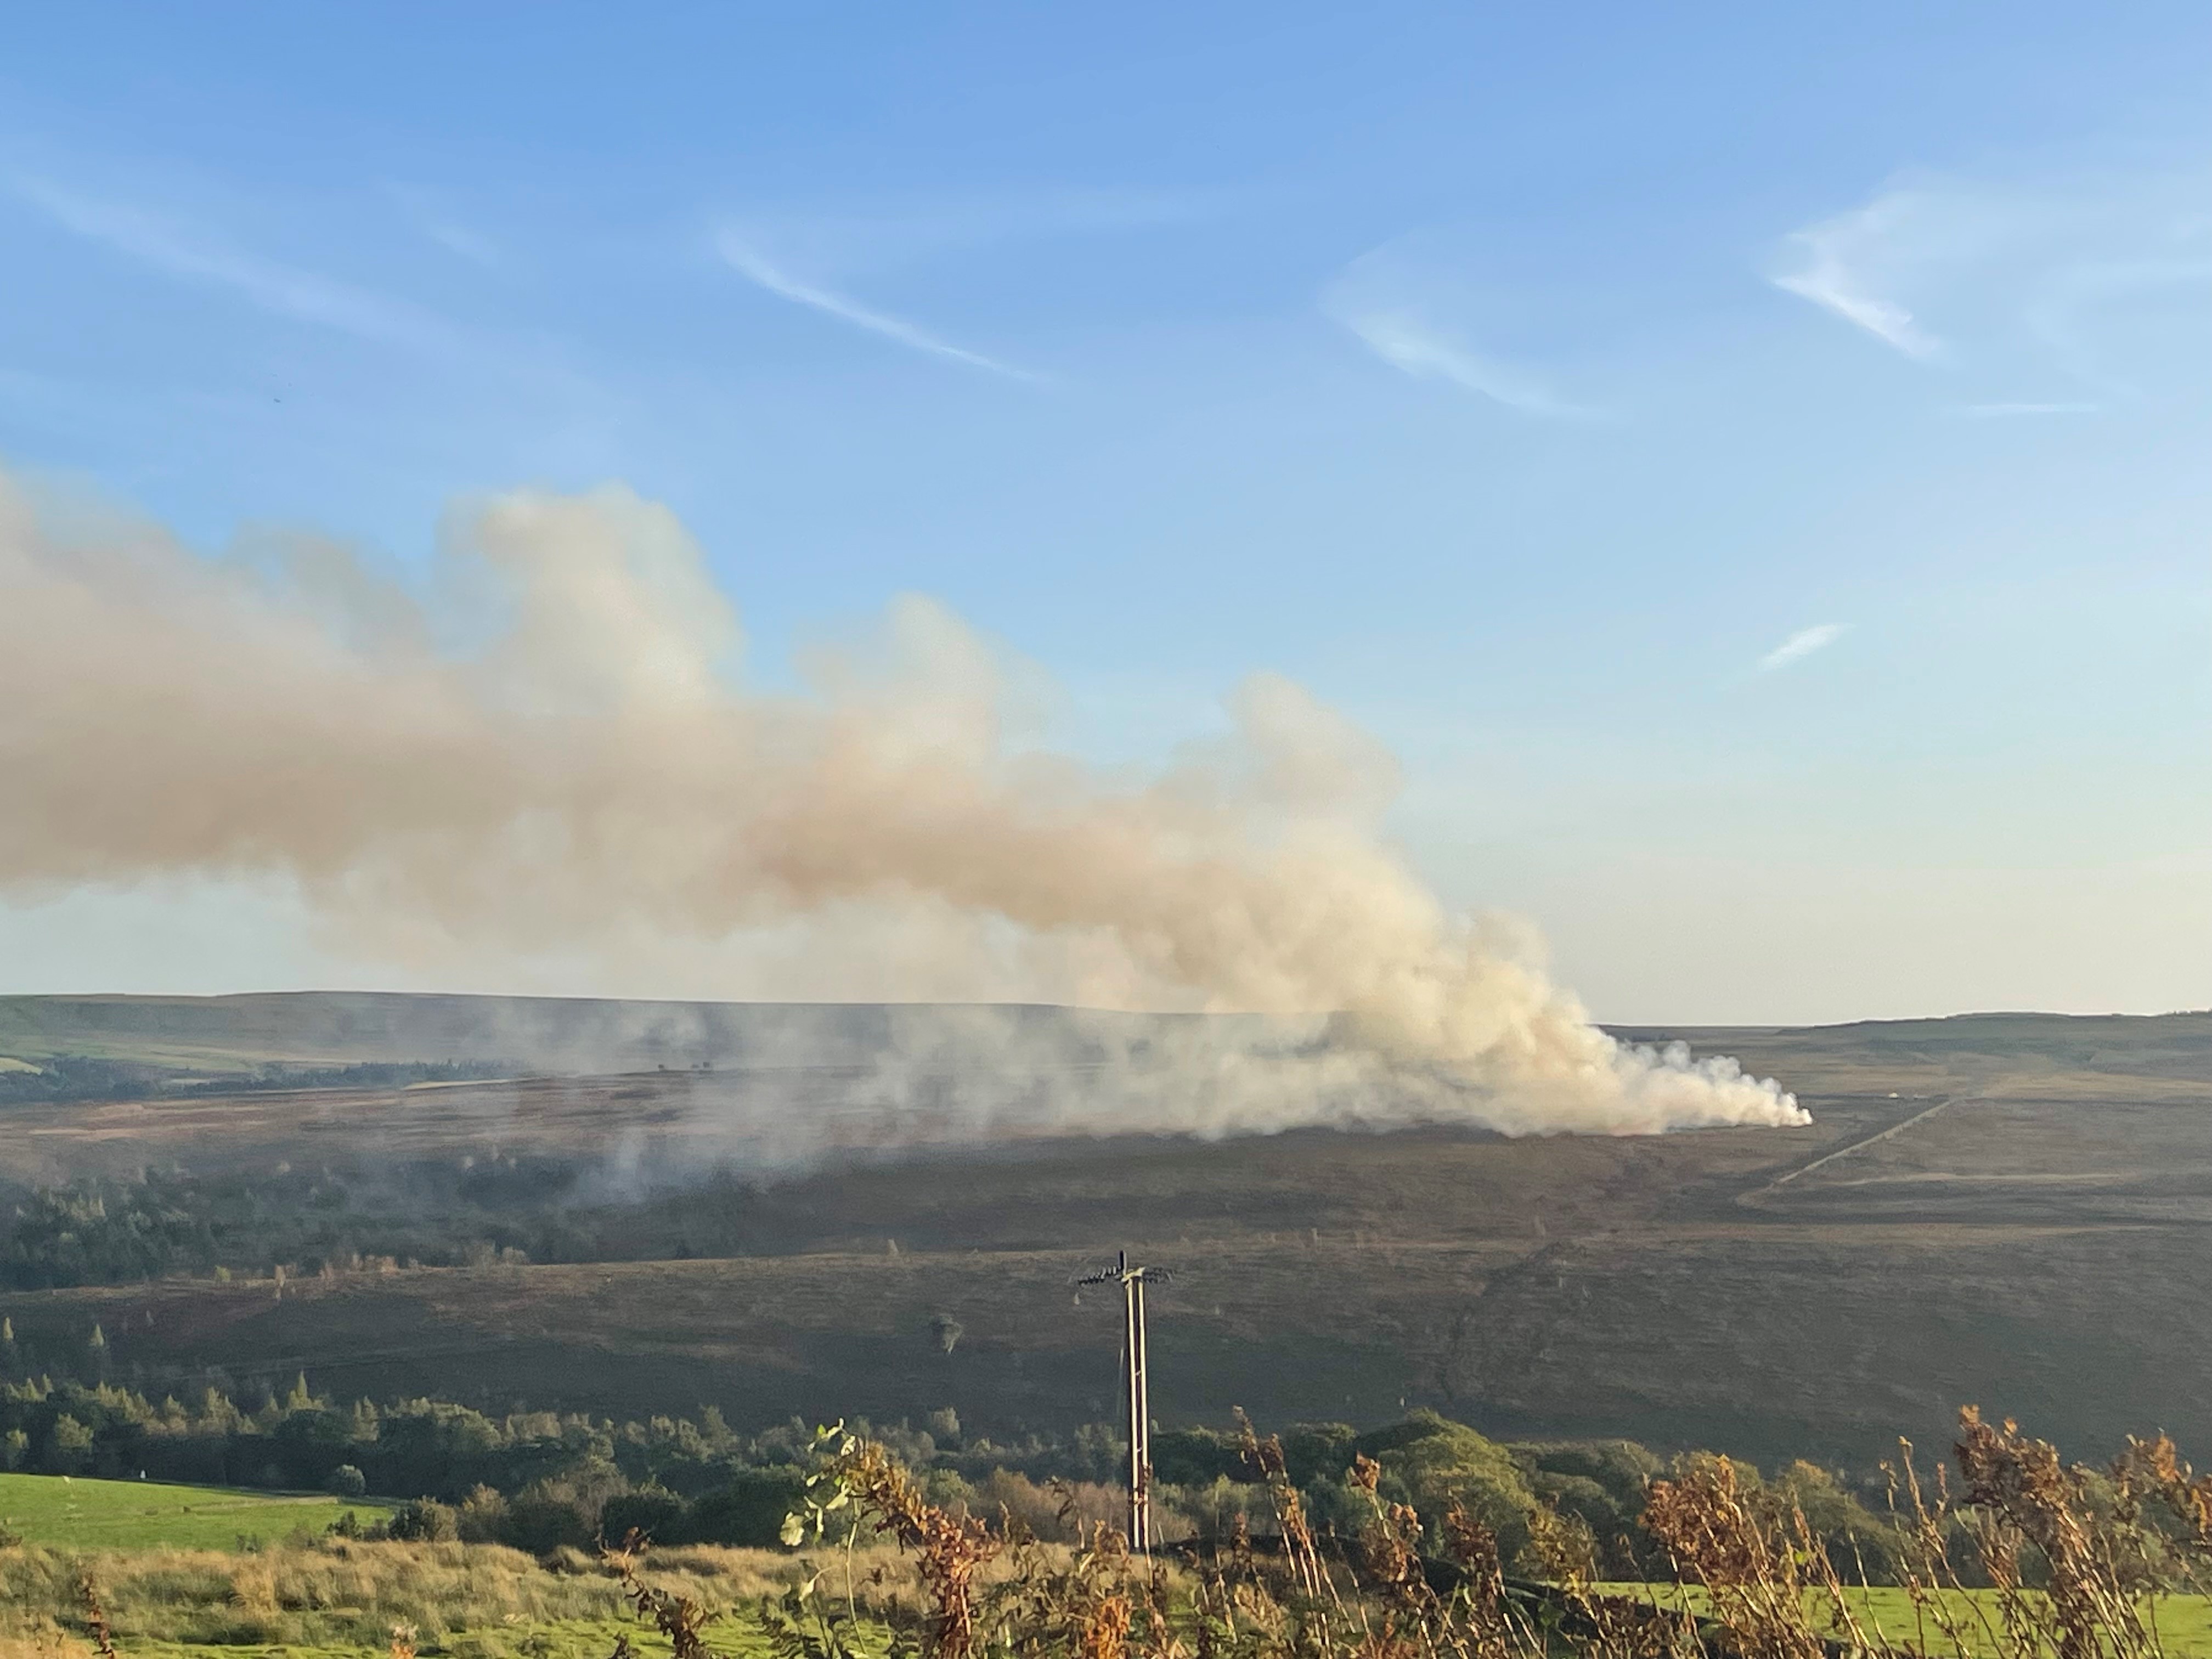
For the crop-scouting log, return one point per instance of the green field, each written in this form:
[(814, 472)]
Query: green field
[(65, 1513), (345, 1600), (2183, 1623), (737, 1637)]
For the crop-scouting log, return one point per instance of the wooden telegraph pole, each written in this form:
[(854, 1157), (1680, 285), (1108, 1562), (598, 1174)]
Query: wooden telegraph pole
[(1136, 1396)]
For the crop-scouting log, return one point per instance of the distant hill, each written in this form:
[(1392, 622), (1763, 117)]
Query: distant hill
[(2009, 1210), (224, 1034), (540, 1034)]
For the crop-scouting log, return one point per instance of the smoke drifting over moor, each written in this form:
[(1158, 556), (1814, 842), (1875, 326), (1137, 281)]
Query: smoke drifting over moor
[(543, 751)]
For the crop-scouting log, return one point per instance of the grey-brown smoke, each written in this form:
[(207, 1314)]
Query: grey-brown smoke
[(543, 750)]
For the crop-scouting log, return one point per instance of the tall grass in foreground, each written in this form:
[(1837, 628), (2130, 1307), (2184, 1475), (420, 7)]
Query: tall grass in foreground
[(471, 1601), (2029, 1559), (2024, 1557)]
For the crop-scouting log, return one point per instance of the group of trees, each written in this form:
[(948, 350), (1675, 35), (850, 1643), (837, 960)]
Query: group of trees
[(77, 1077), (1431, 1464), (302, 1222), (89, 1077), (536, 1480), (542, 1480)]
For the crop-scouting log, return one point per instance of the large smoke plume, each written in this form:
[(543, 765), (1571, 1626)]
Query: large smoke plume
[(542, 750)]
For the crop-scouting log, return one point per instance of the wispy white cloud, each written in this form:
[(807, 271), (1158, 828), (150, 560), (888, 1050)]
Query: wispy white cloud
[(749, 263), (1411, 343), (196, 256), (1837, 264), (1411, 303), (1800, 645), (2083, 274), (573, 404)]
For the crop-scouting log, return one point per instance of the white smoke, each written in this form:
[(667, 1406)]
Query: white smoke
[(552, 756)]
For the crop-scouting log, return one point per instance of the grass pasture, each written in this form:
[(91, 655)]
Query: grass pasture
[(1886, 1615), (62, 1512), (342, 1599)]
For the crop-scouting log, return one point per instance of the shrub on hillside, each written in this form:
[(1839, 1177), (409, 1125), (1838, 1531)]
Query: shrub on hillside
[(1317, 1451), (1845, 1527), (1601, 1484), (482, 1517), (1053, 1513), (548, 1515), (653, 1513), (423, 1520), (1198, 1457), (1622, 1468), (1433, 1463), (747, 1509), (1215, 1513)]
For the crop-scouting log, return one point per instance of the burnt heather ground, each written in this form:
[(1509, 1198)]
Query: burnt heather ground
[(2009, 1210)]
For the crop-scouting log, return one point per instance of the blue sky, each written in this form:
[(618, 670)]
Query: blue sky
[(1748, 462)]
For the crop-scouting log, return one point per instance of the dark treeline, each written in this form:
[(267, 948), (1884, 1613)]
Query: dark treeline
[(363, 1074), (534, 1479), (540, 1480), (88, 1077), (450, 1213), (351, 1214), (81, 1077)]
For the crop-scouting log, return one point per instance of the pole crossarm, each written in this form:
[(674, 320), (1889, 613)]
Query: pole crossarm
[(1123, 1273)]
